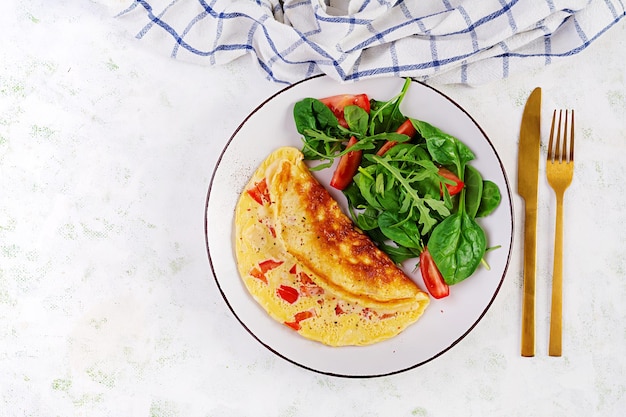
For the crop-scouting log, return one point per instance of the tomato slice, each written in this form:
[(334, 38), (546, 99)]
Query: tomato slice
[(288, 293), (405, 128), (339, 102), (458, 185), (347, 167), (433, 279)]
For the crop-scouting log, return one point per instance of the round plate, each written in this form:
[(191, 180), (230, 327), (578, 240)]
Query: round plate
[(445, 322)]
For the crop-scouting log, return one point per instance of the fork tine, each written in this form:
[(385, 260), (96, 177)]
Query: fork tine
[(550, 143), (557, 147), (564, 154), (571, 141)]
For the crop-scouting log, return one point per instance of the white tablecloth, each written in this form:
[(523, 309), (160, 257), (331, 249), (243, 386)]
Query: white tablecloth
[(107, 302)]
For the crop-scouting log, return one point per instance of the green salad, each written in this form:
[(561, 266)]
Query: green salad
[(409, 185)]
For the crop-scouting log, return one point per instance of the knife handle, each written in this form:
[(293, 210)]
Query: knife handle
[(528, 301)]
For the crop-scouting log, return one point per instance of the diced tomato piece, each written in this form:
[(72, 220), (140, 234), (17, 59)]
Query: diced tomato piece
[(338, 310), (306, 279), (458, 185), (258, 274), (309, 287), (269, 264), (347, 167), (405, 128), (302, 315), (260, 193), (338, 103), (309, 290), (433, 279), (288, 293), (293, 324), (293, 269)]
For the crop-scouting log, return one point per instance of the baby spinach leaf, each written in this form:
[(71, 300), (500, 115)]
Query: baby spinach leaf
[(366, 183), (473, 190), (457, 246), (490, 199), (402, 231), (444, 148), (310, 113), (357, 119)]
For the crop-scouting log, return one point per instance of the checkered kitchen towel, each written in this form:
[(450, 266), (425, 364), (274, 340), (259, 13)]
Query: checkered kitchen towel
[(446, 41)]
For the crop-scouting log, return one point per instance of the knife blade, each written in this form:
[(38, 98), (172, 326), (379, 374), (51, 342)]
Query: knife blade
[(527, 188)]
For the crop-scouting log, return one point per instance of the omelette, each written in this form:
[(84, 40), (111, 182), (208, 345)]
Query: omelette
[(307, 265)]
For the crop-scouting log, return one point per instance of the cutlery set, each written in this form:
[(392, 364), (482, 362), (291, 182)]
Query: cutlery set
[(559, 172)]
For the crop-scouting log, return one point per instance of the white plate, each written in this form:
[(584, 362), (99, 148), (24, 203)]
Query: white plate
[(445, 321)]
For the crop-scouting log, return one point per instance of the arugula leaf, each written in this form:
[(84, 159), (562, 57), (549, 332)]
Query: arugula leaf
[(386, 115), (415, 200)]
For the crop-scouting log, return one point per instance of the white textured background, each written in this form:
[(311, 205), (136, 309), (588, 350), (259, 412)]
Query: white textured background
[(107, 302)]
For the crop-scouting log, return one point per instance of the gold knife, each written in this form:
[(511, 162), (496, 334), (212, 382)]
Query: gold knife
[(527, 182)]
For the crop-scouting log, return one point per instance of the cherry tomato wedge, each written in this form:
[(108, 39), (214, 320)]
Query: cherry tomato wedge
[(338, 103), (347, 167), (458, 185), (405, 128), (433, 279)]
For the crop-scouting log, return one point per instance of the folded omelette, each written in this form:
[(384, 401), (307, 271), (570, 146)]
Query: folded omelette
[(303, 260)]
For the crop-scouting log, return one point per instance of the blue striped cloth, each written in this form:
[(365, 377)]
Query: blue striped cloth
[(446, 41)]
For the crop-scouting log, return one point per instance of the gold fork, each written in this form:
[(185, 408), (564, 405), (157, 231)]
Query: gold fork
[(559, 170)]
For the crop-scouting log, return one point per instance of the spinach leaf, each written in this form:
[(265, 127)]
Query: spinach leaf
[(444, 148), (490, 199), (457, 246), (402, 231), (357, 119), (310, 113), (473, 190)]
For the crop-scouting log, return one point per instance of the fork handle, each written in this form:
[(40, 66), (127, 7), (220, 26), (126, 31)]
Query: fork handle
[(556, 316)]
